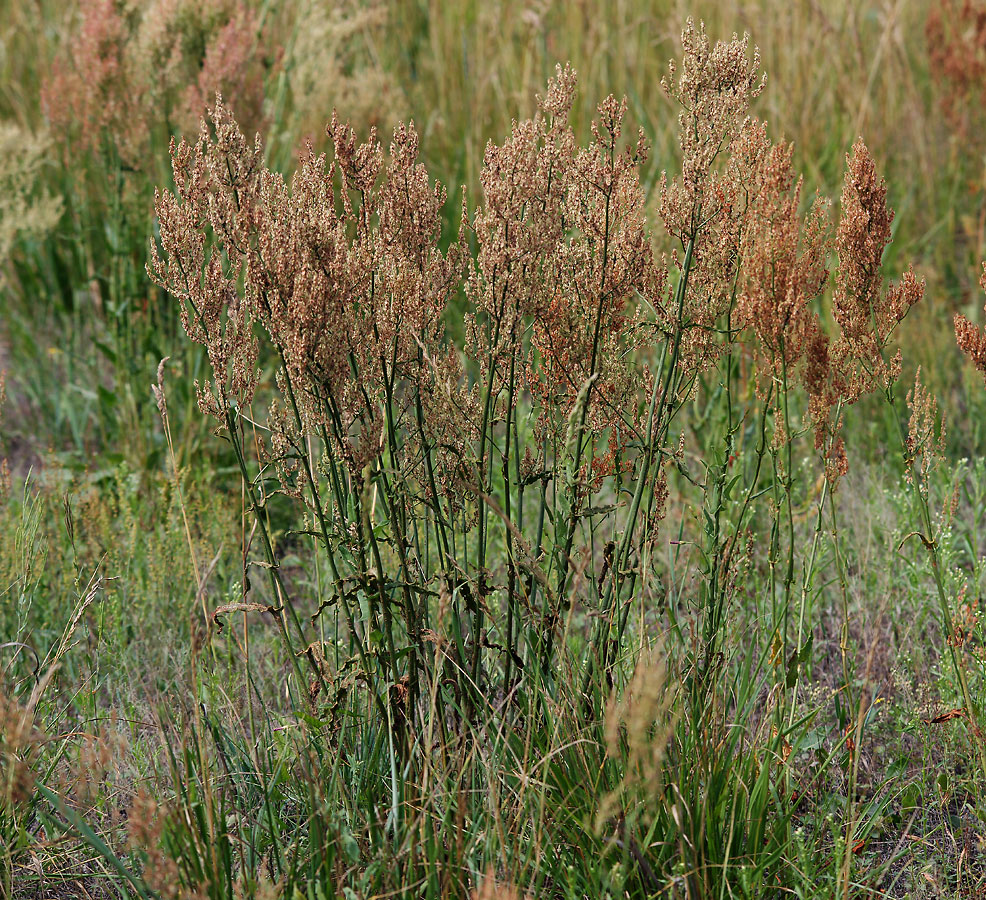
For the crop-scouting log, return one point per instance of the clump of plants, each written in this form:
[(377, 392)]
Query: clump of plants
[(546, 516), (503, 522)]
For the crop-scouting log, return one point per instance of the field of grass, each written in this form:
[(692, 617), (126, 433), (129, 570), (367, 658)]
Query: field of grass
[(502, 450)]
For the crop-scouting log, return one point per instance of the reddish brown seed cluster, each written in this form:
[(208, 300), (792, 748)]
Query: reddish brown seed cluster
[(211, 180), (759, 264), (841, 370), (783, 266), (90, 84), (703, 208), (342, 268), (866, 314), (970, 338), (230, 65), (562, 253)]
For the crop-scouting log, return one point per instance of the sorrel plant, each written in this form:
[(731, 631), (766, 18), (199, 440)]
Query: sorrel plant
[(494, 517)]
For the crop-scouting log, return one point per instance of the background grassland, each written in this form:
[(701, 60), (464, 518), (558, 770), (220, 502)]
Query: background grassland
[(156, 743)]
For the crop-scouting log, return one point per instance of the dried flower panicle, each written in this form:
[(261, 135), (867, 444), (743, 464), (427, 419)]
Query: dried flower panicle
[(214, 180), (925, 433), (341, 267), (518, 228), (754, 261), (92, 85), (842, 370), (638, 727), (368, 289), (563, 253), (783, 268), (715, 86), (231, 66), (588, 329), (703, 210), (556, 102), (158, 391), (867, 314), (412, 279), (970, 338)]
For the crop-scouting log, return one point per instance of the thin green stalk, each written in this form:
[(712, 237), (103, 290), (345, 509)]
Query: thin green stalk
[(930, 542), (511, 564), (657, 426), (572, 524), (277, 587)]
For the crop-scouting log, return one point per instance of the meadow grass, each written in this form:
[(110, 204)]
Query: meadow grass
[(583, 533)]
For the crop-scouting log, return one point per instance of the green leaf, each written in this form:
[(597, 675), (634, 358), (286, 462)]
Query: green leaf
[(106, 350), (805, 653), (106, 397)]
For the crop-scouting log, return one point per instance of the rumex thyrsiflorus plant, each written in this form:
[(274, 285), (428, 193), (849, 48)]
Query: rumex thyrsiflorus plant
[(582, 532), (491, 511)]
